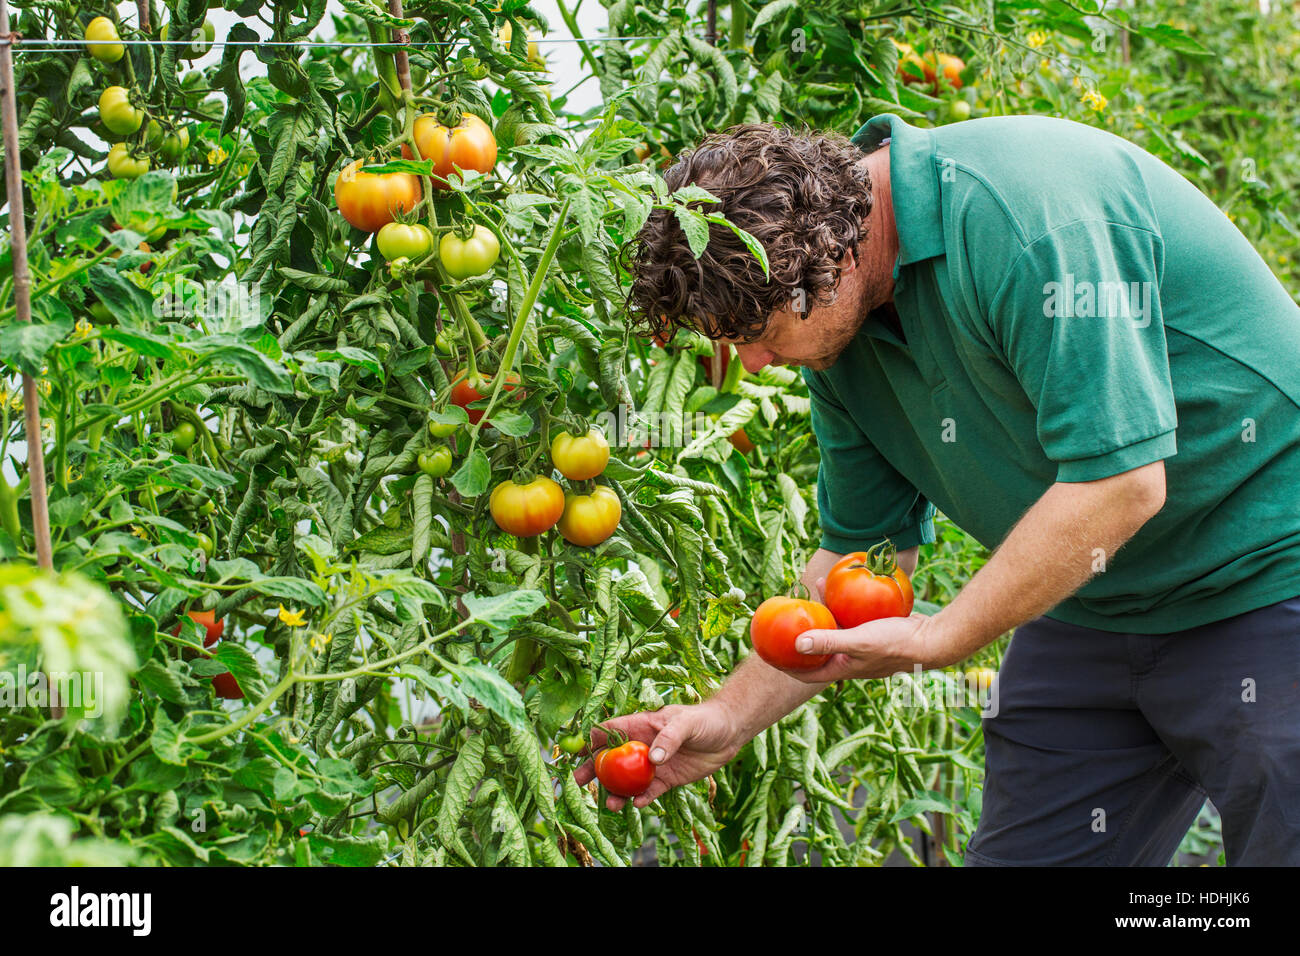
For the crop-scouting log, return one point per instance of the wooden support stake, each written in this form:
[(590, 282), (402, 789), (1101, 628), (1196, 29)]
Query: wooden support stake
[(23, 290)]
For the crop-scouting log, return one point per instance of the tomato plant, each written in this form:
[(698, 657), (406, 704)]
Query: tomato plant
[(393, 660)]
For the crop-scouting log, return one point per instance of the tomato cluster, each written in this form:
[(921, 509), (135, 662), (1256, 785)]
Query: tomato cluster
[(861, 586)]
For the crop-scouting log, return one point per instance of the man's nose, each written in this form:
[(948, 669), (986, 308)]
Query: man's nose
[(753, 357)]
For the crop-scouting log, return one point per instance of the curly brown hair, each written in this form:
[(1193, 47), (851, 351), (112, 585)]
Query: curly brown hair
[(802, 194)]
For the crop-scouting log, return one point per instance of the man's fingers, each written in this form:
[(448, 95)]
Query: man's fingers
[(669, 740), (586, 773), (656, 790), (821, 588)]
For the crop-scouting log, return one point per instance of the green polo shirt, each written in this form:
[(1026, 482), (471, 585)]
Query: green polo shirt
[(1071, 309)]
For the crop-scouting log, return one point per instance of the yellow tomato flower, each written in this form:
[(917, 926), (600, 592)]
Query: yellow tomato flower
[(1094, 100), (1036, 39), (217, 156), (319, 642), (292, 618)]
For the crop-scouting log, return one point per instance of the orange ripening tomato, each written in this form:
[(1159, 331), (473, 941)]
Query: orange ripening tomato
[(468, 145), (590, 519), (861, 588), (528, 509), (741, 442), (371, 201), (466, 391), (776, 624)]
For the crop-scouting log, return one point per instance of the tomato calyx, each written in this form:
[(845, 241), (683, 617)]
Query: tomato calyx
[(880, 559)]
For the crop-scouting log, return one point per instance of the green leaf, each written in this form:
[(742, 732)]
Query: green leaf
[(472, 478), (500, 611)]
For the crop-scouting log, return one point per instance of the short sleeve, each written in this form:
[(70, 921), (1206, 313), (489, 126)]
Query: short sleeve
[(861, 498), (1079, 321)]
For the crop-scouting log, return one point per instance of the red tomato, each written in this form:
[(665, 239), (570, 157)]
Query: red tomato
[(626, 770), (225, 685), (776, 624), (464, 391), (208, 620), (860, 589)]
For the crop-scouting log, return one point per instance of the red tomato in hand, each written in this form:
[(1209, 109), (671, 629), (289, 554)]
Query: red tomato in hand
[(776, 624), (857, 591), (625, 770)]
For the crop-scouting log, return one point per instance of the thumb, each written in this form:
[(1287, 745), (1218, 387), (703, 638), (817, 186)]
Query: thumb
[(818, 641), (670, 738)]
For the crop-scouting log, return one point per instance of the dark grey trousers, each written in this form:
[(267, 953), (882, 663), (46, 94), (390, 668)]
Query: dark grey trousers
[(1104, 746)]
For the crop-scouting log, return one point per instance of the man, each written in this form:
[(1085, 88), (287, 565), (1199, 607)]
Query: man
[(1050, 336)]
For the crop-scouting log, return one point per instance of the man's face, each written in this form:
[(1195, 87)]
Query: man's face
[(817, 340)]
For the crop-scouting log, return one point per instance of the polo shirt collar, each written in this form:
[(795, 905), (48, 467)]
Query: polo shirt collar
[(914, 185)]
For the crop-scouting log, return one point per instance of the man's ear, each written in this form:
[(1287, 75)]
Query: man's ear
[(850, 261)]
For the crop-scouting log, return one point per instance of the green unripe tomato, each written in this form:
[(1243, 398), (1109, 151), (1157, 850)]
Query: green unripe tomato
[(207, 508), (116, 112), (573, 744), (442, 342), (206, 544), (399, 240), (99, 312), (201, 41), (465, 258), (183, 436), (122, 165), (958, 110), (174, 145), (436, 462), (442, 429), (102, 40)]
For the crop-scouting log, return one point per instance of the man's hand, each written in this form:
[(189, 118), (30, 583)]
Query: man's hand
[(687, 743), (875, 649)]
